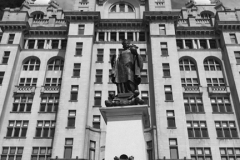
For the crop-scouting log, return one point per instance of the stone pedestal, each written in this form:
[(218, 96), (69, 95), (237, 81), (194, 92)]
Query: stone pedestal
[(125, 134)]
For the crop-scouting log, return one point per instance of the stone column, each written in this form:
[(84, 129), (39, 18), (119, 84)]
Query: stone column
[(97, 36), (109, 36), (50, 44), (134, 36), (125, 37), (105, 36), (184, 45), (208, 44), (137, 36), (117, 39), (198, 43), (45, 44), (60, 44), (218, 45), (193, 43), (26, 44), (35, 44)]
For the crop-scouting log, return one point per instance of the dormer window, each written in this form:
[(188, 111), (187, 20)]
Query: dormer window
[(37, 15), (206, 14), (122, 7)]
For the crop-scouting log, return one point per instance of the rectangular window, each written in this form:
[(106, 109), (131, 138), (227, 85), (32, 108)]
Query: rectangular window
[(28, 82), (197, 129), (11, 38), (99, 76), (203, 43), (97, 98), (166, 70), (144, 76), (71, 118), (179, 44), (64, 44), (233, 38), (12, 153), (193, 104), (164, 48), (142, 36), (112, 54), (79, 46), (189, 82), (31, 43), (53, 81), (188, 44), (237, 56), (226, 129), (110, 76), (173, 148), (22, 103), (68, 148), (145, 97), (121, 7), (213, 43), (171, 119), (162, 29), (143, 54), (17, 129), (149, 150), (1, 77), (168, 93), (230, 153), (101, 36), (40, 44), (41, 153), (74, 93), (5, 57), (100, 55), (215, 82), (221, 104), (92, 149), (81, 29), (121, 36), (201, 153), (45, 129), (55, 44), (49, 103), (96, 121), (130, 36), (113, 36), (76, 69)]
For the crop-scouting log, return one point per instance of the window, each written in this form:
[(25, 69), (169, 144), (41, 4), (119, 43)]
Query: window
[(149, 150), (162, 29), (12, 153), (189, 82), (74, 93), (5, 57), (173, 148), (76, 69), (166, 70), (215, 82), (203, 43), (168, 93), (92, 149), (40, 43), (64, 44), (226, 129), (96, 121), (193, 104), (101, 36), (98, 76), (56, 65), (11, 38), (221, 104), (121, 36), (45, 129), (68, 148), (144, 76), (213, 43), (110, 76), (200, 153), (188, 44), (79, 46), (142, 36), (197, 129), (143, 54), (164, 49), (71, 118), (53, 82), (17, 129), (179, 44), (237, 56), (31, 44), (28, 82), (49, 103), (112, 54), (32, 64), (130, 36), (113, 36), (55, 44), (230, 153), (22, 103), (97, 98), (186, 64), (145, 97), (171, 119), (122, 7), (41, 153), (100, 55), (81, 29), (211, 65), (233, 38), (1, 77), (113, 9)]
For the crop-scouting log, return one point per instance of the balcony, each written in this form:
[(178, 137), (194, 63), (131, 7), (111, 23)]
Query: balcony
[(50, 89), (24, 89), (192, 89), (219, 90)]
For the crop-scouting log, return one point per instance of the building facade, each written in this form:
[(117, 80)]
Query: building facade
[(55, 67)]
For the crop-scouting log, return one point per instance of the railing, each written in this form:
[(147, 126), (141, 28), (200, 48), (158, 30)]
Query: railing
[(61, 22), (40, 21), (218, 89), (24, 89), (192, 89), (160, 3), (83, 3), (182, 22), (200, 21), (50, 89)]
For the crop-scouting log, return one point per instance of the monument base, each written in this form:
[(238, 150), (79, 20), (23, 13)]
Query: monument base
[(125, 131)]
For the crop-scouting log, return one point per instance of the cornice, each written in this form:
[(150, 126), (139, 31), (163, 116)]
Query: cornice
[(48, 31), (162, 15), (227, 25), (14, 25), (196, 31), (76, 16)]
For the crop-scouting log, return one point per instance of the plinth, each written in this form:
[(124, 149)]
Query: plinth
[(125, 131)]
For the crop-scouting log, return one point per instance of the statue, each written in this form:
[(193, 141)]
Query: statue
[(126, 74)]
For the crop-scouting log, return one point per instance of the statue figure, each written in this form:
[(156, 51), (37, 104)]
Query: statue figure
[(126, 69)]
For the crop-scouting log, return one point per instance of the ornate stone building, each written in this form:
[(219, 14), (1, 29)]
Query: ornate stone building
[(54, 78)]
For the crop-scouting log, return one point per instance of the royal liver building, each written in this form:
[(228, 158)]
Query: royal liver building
[(120, 80)]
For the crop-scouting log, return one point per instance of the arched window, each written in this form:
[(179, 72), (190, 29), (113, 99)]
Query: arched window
[(206, 14), (211, 64), (121, 7), (37, 15), (56, 64), (186, 64), (32, 64)]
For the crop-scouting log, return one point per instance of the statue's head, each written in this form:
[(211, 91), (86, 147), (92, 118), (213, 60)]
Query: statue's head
[(126, 43)]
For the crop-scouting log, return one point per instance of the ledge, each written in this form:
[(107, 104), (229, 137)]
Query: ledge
[(169, 100), (70, 127), (222, 112), (99, 62), (98, 83), (171, 127), (97, 106), (77, 55), (195, 112), (41, 112), (15, 137), (198, 137), (166, 77), (20, 112), (73, 101), (75, 77), (42, 137), (222, 138)]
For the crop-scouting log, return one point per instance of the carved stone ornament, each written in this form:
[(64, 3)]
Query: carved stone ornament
[(124, 157)]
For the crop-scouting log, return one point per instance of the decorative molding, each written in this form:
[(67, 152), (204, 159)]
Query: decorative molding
[(76, 16), (159, 16), (200, 31), (101, 2), (14, 25)]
